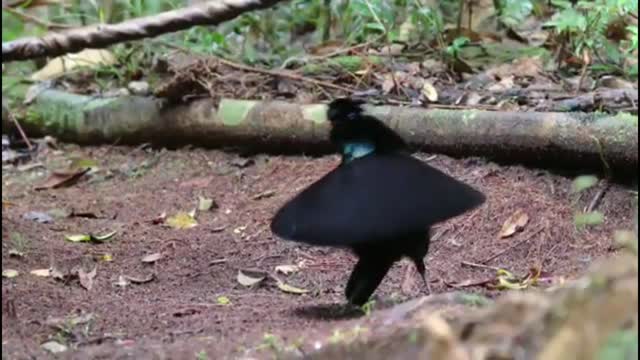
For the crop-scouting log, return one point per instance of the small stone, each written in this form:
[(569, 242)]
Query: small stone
[(139, 87)]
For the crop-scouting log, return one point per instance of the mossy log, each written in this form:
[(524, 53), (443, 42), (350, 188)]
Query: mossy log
[(585, 141)]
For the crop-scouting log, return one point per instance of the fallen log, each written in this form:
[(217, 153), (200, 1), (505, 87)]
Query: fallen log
[(576, 140)]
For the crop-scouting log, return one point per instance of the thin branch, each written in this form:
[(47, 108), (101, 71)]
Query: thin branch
[(515, 245), (20, 130), (34, 20), (103, 35), (276, 73)]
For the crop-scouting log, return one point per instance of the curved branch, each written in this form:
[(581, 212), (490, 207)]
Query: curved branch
[(103, 35)]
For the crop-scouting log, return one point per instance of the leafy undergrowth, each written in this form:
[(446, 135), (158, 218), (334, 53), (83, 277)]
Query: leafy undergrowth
[(169, 252)]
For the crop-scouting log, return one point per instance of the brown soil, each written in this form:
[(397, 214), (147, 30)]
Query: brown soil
[(180, 308)]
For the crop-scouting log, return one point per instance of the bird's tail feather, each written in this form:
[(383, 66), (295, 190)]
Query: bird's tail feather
[(365, 278)]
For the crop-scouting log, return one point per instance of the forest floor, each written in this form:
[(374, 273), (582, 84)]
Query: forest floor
[(178, 288)]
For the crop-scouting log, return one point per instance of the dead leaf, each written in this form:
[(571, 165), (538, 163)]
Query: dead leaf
[(206, 204), (508, 281), (86, 278), (10, 273), (242, 162), (90, 237), (429, 91), (88, 58), (291, 289), (122, 282), (460, 66), (79, 163), (159, 219), (287, 269), (139, 280), (78, 238), (504, 84), (15, 253), (325, 48), (182, 220), (522, 67), (54, 347), (59, 274), (248, 281), (201, 182), (62, 179), (469, 283), (515, 223), (41, 272), (38, 216), (614, 82), (104, 257), (388, 84), (392, 50), (69, 322), (264, 195), (151, 258)]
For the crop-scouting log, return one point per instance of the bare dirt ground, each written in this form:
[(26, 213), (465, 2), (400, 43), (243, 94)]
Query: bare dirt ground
[(185, 304)]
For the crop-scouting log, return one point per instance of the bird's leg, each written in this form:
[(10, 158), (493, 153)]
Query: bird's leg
[(421, 268)]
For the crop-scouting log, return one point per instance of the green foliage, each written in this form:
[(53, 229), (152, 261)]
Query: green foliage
[(584, 26), (587, 219), (457, 45), (202, 355), (622, 344), (513, 12), (272, 36), (584, 182)]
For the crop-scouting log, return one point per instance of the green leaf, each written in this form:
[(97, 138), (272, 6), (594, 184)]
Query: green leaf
[(105, 237), (223, 300), (568, 20), (582, 183), (582, 219), (291, 289), (78, 238), (89, 237), (622, 344), (514, 12), (182, 220)]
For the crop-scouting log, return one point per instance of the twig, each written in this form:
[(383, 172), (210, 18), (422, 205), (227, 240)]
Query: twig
[(376, 17), (500, 253), (597, 198), (248, 68), (21, 131), (481, 266), (306, 59), (459, 22), (217, 261), (32, 19), (583, 73), (349, 49)]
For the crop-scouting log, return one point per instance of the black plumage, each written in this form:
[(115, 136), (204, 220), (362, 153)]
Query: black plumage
[(380, 202)]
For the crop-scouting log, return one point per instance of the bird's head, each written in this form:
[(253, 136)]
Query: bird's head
[(344, 109)]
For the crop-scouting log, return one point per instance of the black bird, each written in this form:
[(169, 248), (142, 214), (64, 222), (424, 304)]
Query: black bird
[(380, 201)]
